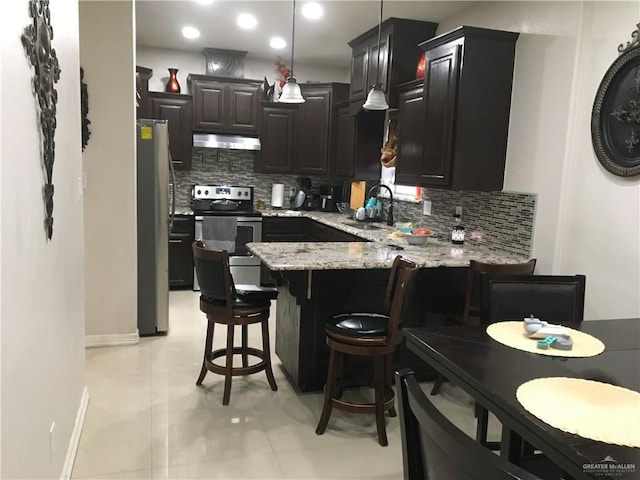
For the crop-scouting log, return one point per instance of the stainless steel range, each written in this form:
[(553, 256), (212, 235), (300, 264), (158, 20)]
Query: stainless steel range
[(209, 202)]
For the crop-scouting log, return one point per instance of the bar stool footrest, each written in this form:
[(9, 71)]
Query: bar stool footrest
[(236, 371)]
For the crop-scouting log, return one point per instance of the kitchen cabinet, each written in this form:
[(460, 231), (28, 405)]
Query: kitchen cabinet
[(143, 105), (410, 132), (277, 133), (467, 100), (225, 105), (358, 143), (180, 253), (301, 138), (398, 55), (176, 108)]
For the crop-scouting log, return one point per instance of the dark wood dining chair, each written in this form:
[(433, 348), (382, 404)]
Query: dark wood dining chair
[(225, 305), (557, 299), (472, 312), (368, 335), (433, 448)]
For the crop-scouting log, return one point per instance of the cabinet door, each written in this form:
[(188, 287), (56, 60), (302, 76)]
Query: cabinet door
[(277, 138), (312, 132), (378, 73), (440, 93), (410, 137), (209, 106), (176, 109), (243, 108), (345, 142), (359, 61)]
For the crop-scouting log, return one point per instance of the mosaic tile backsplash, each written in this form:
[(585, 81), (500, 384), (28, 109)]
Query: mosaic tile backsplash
[(503, 218)]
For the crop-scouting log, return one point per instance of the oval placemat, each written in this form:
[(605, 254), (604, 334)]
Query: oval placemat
[(512, 335), (595, 410)]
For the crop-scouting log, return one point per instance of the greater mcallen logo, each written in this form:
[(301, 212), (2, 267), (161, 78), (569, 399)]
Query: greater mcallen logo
[(609, 466)]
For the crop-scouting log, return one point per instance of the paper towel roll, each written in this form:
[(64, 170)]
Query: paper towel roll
[(277, 195)]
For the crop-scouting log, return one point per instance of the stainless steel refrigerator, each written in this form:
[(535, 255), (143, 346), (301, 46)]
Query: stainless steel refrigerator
[(154, 170)]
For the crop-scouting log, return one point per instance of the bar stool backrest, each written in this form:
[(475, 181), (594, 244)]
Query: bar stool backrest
[(214, 274), (399, 288)]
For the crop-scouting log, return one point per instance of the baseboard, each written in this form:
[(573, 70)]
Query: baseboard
[(72, 449), (111, 340)]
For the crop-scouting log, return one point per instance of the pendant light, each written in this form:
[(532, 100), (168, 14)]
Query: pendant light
[(375, 99), (291, 91)]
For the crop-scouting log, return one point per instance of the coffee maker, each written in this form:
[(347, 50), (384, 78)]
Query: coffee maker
[(330, 196)]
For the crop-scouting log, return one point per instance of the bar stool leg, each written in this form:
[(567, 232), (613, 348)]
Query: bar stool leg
[(266, 351), (389, 378), (207, 350), (380, 374), (228, 366), (329, 390), (245, 344)]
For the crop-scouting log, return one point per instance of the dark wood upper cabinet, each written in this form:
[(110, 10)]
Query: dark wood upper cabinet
[(410, 132), (225, 105), (465, 105), (176, 108), (143, 108), (359, 141), (277, 135), (397, 54), (305, 132)]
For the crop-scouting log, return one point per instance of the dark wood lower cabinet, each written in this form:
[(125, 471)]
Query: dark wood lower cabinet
[(180, 254), (307, 299)]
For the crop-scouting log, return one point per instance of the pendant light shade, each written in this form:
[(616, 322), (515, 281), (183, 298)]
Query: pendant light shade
[(375, 99), (291, 91)]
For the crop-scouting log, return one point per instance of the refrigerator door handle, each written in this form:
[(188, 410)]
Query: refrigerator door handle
[(173, 193)]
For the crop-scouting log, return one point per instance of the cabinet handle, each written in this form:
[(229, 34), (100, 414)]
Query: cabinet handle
[(175, 241)]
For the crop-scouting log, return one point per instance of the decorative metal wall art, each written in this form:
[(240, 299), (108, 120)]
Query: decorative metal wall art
[(615, 118), (36, 40), (84, 106)]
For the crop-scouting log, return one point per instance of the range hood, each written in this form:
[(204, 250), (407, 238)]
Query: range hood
[(233, 142)]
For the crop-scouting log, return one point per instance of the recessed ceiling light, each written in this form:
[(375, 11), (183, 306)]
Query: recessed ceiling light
[(277, 43), (247, 21), (204, 2), (312, 10), (190, 32)]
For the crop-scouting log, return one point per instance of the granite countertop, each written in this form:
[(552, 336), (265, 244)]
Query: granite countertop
[(378, 252)]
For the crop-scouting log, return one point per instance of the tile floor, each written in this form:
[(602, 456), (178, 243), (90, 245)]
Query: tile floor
[(148, 419)]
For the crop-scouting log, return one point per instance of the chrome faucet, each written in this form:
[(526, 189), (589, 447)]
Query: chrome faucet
[(390, 210)]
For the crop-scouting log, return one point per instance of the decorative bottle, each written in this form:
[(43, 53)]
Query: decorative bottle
[(457, 234), (172, 85)]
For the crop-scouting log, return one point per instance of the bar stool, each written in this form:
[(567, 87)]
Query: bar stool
[(370, 335), (223, 304)]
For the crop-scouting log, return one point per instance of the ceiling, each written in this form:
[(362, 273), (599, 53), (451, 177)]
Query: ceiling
[(321, 42)]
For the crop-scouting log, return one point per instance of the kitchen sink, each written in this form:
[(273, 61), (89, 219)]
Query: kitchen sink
[(363, 225)]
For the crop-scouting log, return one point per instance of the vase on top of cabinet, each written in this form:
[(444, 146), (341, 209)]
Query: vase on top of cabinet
[(454, 123)]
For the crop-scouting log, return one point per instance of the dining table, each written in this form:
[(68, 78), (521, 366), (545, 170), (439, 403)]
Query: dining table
[(491, 373)]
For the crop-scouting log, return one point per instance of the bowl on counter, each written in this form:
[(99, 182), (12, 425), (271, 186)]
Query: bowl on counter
[(418, 236)]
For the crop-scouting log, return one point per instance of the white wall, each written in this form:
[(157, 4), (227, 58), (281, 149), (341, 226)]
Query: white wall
[(41, 281), (600, 229), (587, 220), (159, 60), (107, 56)]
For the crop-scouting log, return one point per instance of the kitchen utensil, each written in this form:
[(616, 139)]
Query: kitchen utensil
[(299, 199)]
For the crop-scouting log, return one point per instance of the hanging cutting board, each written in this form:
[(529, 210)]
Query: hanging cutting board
[(358, 192)]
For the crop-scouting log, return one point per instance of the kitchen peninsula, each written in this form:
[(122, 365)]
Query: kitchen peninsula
[(319, 279)]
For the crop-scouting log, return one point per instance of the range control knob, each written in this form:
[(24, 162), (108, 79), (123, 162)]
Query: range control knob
[(206, 192), (198, 192)]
